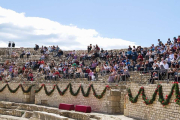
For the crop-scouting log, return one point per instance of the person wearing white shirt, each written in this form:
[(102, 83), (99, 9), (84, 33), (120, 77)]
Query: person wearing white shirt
[(41, 66), (155, 63), (166, 66), (55, 68), (171, 56), (162, 61), (168, 61), (47, 67), (47, 52), (151, 59), (171, 45), (42, 57), (60, 69), (106, 67)]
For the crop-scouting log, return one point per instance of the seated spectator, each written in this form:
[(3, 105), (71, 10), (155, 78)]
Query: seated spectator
[(140, 57), (42, 57), (165, 65), (125, 74), (134, 55), (59, 53), (148, 66), (25, 74), (151, 61), (14, 54), (22, 54), (28, 54), (78, 72), (82, 56), (112, 76), (15, 72), (56, 75), (30, 77), (154, 77), (91, 76), (131, 66), (93, 65), (177, 76)]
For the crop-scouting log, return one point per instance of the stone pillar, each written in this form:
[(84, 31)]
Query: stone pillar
[(114, 101), (26, 98), (32, 94), (29, 97)]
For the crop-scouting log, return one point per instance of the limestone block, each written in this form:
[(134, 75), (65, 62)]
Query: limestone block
[(48, 116), (115, 92), (113, 103), (114, 98), (17, 113), (27, 114)]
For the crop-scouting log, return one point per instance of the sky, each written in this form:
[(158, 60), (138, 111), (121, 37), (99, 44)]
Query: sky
[(74, 24)]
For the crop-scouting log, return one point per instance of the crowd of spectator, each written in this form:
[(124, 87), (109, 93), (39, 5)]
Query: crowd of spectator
[(162, 59)]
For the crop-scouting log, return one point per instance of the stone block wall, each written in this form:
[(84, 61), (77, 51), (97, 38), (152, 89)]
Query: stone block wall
[(155, 111), (112, 101), (100, 105), (19, 96), (108, 104)]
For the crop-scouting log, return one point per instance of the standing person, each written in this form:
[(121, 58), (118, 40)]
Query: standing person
[(89, 48), (169, 41)]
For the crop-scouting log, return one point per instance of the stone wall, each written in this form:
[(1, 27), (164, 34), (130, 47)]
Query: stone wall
[(112, 101), (19, 96), (155, 111), (108, 104)]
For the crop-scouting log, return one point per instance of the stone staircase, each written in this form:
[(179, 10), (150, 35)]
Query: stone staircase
[(21, 111)]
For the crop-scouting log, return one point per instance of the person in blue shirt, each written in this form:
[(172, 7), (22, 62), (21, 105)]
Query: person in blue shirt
[(129, 52), (134, 55), (127, 63)]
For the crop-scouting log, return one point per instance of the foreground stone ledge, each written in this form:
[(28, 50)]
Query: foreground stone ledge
[(7, 117), (47, 116)]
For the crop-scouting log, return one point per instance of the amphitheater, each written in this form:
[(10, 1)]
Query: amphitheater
[(39, 99)]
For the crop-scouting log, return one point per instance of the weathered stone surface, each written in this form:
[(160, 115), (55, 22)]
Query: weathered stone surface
[(7, 117), (27, 114), (155, 111), (40, 98), (48, 116)]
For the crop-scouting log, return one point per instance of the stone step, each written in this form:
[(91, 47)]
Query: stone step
[(48, 116), (12, 112), (27, 114), (7, 117)]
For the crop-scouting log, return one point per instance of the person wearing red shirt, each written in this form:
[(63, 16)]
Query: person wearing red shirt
[(42, 62), (56, 74), (140, 57), (30, 76), (23, 68), (88, 70)]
